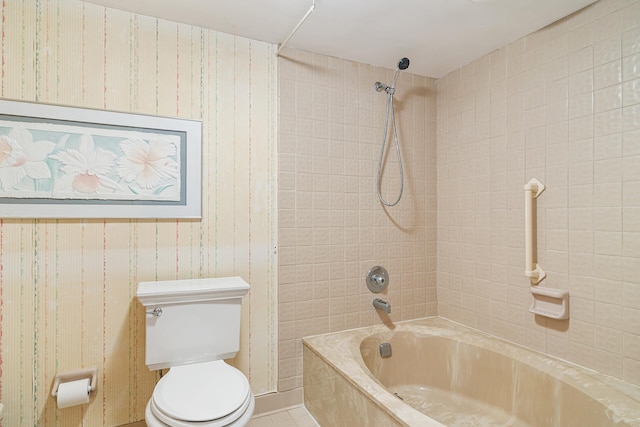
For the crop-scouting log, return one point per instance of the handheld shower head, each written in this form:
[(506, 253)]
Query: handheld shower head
[(403, 64)]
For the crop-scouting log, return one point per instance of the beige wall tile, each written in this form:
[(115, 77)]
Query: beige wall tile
[(340, 228), (584, 151)]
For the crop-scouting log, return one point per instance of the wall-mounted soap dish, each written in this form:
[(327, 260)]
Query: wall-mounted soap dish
[(549, 302)]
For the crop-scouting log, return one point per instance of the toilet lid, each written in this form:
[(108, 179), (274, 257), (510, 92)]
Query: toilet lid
[(201, 392)]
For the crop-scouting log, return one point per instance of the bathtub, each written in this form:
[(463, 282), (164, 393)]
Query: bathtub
[(443, 374)]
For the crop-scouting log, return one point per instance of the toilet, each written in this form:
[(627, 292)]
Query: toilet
[(191, 327)]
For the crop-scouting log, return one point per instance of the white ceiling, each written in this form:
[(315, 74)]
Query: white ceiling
[(438, 36)]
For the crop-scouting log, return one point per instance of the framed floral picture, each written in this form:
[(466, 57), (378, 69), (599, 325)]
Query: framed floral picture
[(65, 162)]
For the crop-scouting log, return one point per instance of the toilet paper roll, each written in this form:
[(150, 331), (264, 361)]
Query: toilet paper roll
[(73, 393)]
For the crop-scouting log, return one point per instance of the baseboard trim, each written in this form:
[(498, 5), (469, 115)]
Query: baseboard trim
[(274, 402)]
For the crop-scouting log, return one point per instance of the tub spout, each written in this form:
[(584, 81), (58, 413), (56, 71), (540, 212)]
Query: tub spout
[(382, 305)]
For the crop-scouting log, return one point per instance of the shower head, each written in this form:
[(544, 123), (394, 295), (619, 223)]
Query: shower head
[(403, 64)]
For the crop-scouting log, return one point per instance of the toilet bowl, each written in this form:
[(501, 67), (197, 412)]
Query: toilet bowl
[(210, 394)]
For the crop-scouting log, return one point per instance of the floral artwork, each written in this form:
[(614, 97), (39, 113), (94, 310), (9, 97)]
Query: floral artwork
[(67, 161)]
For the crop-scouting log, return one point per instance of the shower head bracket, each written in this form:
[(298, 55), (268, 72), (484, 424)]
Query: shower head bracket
[(379, 87)]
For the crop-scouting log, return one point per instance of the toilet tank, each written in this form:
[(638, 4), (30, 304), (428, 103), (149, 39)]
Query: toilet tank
[(199, 320)]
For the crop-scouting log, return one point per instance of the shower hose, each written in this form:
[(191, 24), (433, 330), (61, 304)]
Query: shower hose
[(390, 112)]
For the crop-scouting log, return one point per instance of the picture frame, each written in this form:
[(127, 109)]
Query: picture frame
[(68, 162)]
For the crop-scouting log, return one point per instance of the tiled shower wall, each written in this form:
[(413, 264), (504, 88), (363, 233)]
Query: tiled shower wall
[(561, 105), (332, 228)]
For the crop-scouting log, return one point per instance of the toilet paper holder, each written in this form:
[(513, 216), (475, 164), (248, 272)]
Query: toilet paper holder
[(77, 374)]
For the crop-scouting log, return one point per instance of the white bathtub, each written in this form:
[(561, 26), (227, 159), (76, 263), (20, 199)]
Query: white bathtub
[(441, 373)]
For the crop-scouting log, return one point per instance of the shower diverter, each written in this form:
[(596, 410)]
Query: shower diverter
[(377, 279)]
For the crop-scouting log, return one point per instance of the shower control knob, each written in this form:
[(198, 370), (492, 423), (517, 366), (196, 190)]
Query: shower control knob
[(377, 279)]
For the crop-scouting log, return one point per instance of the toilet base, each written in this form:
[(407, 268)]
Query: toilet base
[(153, 421)]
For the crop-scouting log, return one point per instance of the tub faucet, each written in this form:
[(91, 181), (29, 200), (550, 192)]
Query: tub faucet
[(382, 305)]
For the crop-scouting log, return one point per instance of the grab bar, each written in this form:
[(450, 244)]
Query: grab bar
[(532, 190), (548, 302)]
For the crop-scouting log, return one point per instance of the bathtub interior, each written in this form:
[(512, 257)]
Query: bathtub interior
[(448, 380), (450, 369)]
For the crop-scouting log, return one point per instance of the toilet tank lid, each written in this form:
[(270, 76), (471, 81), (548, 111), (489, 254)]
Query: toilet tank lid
[(180, 291)]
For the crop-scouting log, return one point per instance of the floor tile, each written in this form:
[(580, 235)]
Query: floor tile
[(294, 417)]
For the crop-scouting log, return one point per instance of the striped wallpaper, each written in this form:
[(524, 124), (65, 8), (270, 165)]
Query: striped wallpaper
[(67, 287)]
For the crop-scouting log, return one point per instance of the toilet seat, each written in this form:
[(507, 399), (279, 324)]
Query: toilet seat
[(240, 418), (210, 394)]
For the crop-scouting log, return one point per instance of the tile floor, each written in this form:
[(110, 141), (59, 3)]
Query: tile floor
[(293, 417)]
